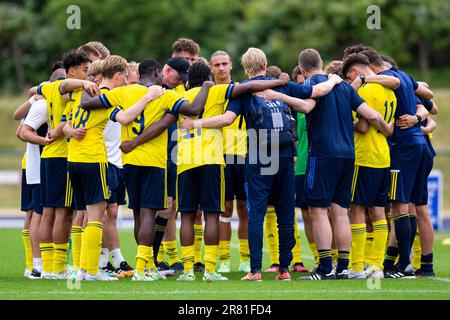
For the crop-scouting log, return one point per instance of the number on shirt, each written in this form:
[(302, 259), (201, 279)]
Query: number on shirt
[(141, 121), (83, 118), (388, 111)]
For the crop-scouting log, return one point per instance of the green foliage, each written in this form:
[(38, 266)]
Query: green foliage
[(33, 34)]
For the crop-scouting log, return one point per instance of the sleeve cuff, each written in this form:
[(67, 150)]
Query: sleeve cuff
[(39, 89), (229, 92), (176, 107), (105, 101), (112, 117)]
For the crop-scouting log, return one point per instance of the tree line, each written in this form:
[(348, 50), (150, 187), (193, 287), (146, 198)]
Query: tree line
[(34, 33)]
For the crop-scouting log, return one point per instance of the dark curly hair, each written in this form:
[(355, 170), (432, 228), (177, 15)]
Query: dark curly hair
[(72, 59), (197, 74)]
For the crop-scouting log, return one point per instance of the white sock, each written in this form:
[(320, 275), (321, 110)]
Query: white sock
[(37, 264), (117, 257), (104, 257)]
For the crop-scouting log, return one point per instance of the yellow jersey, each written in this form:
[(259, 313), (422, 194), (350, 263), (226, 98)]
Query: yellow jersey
[(180, 89), (372, 149), (24, 161), (90, 149), (153, 153), (56, 108), (201, 146)]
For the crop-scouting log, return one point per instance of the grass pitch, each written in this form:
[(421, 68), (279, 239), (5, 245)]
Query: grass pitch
[(14, 286)]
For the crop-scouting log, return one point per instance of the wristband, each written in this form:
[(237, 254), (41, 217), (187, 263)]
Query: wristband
[(419, 119), (32, 100)]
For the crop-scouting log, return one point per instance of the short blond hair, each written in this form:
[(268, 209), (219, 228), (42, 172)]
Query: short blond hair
[(95, 68), (104, 51), (112, 65), (133, 66), (254, 61)]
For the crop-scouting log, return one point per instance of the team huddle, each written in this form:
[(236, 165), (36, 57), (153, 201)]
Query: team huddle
[(348, 144)]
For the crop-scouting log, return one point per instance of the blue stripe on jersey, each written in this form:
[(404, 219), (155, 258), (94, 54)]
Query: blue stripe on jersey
[(105, 101), (114, 113), (39, 89), (229, 91), (177, 106)]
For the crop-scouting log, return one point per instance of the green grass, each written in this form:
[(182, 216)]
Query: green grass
[(14, 286)]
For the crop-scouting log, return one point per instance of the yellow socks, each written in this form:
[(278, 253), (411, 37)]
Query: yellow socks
[(334, 255), (28, 250), (314, 252), (83, 251), (76, 234), (271, 231), (93, 239), (47, 256), (358, 246), (144, 258), (296, 250), (380, 236), (198, 241), (244, 250), (368, 250), (170, 247), (211, 252), (187, 254), (60, 257), (161, 252), (417, 252), (224, 250)]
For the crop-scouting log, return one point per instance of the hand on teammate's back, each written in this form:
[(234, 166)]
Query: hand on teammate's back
[(154, 92), (48, 139), (91, 88), (406, 121), (187, 123), (127, 146), (335, 77), (284, 77), (267, 94), (79, 133)]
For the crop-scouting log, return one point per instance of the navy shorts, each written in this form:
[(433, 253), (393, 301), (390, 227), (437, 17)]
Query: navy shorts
[(56, 188), (420, 190), (235, 178), (146, 187), (370, 186), (89, 183), (300, 194), (26, 198), (171, 179), (329, 180), (202, 187), (116, 184), (408, 165)]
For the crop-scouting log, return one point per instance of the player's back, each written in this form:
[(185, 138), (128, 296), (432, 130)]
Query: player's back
[(152, 152), (56, 107), (203, 145), (406, 104), (371, 148), (91, 148), (330, 123)]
